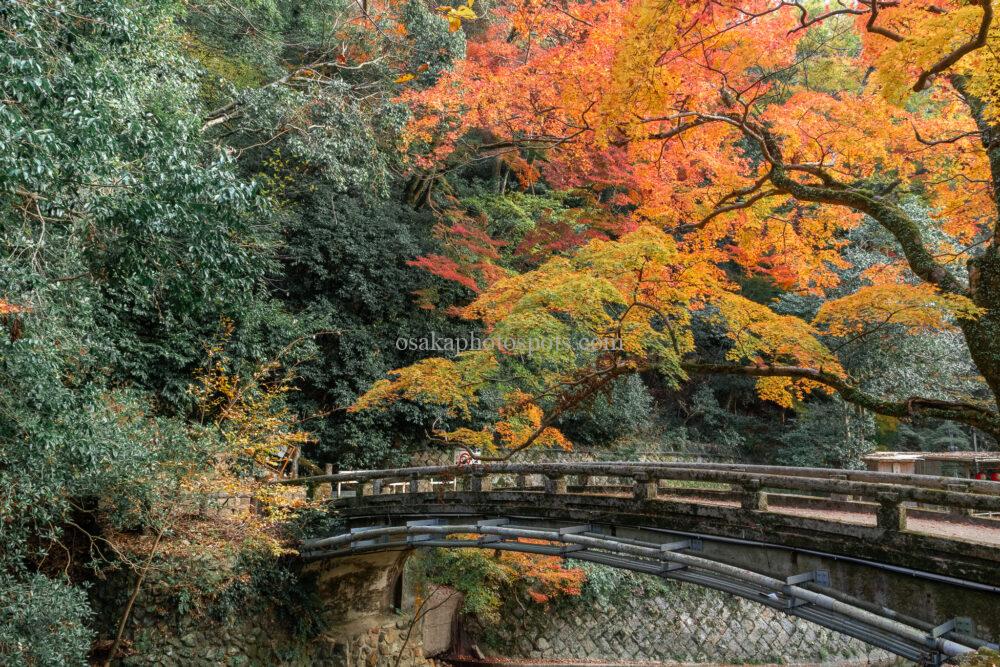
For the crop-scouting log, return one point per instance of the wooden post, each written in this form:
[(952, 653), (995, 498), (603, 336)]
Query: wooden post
[(891, 512), (751, 496)]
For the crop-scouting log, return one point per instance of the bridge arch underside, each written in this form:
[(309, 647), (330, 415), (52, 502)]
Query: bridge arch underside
[(891, 589)]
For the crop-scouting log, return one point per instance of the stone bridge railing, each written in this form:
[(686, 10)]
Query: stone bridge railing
[(751, 485)]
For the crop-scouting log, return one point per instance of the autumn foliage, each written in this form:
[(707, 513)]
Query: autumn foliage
[(488, 578), (752, 136)]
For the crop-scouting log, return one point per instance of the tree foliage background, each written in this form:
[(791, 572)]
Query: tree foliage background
[(217, 220)]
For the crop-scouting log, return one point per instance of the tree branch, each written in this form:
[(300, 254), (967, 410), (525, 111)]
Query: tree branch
[(232, 109), (976, 42), (966, 413), (856, 197), (890, 216), (736, 206), (938, 142)]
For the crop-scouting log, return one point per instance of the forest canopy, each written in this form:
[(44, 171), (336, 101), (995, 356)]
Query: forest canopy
[(218, 220)]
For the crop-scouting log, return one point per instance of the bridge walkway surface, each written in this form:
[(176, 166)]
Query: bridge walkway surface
[(908, 563), (928, 522)]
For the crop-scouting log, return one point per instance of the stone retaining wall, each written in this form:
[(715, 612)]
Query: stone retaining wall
[(159, 636), (358, 628), (677, 623)]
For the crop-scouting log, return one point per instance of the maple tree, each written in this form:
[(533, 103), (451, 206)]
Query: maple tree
[(487, 578), (754, 134)]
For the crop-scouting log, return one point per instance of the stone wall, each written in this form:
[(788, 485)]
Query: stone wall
[(261, 641), (620, 617), (677, 623), (359, 627)]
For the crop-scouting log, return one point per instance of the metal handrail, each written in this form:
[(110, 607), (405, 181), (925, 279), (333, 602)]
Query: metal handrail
[(648, 552)]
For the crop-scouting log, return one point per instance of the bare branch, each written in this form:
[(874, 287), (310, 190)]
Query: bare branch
[(938, 142)]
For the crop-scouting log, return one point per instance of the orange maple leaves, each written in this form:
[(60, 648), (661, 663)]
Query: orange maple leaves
[(598, 86), (8, 308), (686, 110), (547, 576)]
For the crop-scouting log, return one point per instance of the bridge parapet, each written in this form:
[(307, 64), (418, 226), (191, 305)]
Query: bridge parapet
[(753, 484)]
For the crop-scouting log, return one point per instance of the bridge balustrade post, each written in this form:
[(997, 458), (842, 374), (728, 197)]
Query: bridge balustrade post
[(840, 496), (323, 491), (645, 488), (751, 496), (958, 487), (419, 485), (520, 481), (361, 489), (377, 487), (555, 484), (481, 482), (583, 481), (891, 513)]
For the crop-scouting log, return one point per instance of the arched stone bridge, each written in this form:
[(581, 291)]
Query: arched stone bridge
[(908, 563)]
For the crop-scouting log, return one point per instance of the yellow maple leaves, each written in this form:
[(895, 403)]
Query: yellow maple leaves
[(760, 335), (249, 412), (985, 64), (765, 338), (455, 15), (637, 291), (612, 307), (927, 36), (453, 384), (520, 424), (910, 308), (640, 291)]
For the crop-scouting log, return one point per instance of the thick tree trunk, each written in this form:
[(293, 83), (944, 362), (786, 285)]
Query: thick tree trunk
[(983, 335), (989, 136)]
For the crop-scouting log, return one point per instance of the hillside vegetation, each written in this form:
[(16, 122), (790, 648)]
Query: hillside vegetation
[(229, 230)]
